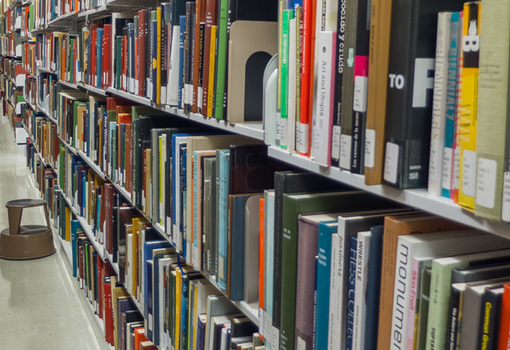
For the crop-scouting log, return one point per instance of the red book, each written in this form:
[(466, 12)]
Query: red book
[(100, 281), (147, 345), (504, 322), (199, 18), (211, 19), (124, 63), (93, 54), (307, 69), (142, 32), (108, 320)]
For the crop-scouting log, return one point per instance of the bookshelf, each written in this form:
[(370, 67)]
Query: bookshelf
[(415, 198)]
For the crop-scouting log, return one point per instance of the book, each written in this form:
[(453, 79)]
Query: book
[(252, 249), (394, 227), (406, 162), (504, 320), (492, 164), (491, 301), (437, 134), (360, 289)]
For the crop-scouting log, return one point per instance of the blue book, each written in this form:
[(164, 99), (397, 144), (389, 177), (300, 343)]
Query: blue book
[(83, 200), (326, 230), (184, 311), (201, 332), (237, 239), (149, 310), (353, 248), (374, 281), (99, 42), (451, 91), (176, 181), (75, 226), (184, 198), (182, 24), (98, 215), (224, 159), (148, 248), (316, 304)]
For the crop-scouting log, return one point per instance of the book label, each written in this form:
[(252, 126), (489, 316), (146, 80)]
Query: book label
[(360, 94), (301, 344), (486, 182), (468, 172), (391, 162), (283, 132), (302, 139), (435, 160), (505, 212), (335, 148), (345, 151), (262, 321), (447, 168), (369, 147), (456, 168)]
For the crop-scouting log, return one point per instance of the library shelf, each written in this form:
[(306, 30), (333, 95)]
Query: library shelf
[(48, 115), (68, 17), (109, 257), (128, 96), (416, 198), (44, 70), (87, 229), (66, 247), (92, 89), (69, 85)]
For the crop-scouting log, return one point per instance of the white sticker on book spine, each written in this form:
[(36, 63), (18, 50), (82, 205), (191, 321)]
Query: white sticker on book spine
[(360, 94), (335, 142), (283, 133), (369, 148), (486, 182), (435, 160), (447, 168), (301, 344), (505, 210), (468, 173), (345, 151), (391, 162), (276, 338), (456, 168), (262, 328), (303, 139)]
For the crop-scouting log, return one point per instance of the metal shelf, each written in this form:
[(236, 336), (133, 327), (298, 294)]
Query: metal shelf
[(416, 198), (92, 89), (44, 70), (70, 85)]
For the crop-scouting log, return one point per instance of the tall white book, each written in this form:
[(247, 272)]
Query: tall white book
[(172, 97), (360, 290), (439, 103)]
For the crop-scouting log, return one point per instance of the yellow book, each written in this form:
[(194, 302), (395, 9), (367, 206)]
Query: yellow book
[(158, 53), (178, 293), (212, 63), (194, 320), (135, 256), (68, 224), (467, 112)]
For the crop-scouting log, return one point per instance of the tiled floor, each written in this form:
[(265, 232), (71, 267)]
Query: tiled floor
[(40, 307)]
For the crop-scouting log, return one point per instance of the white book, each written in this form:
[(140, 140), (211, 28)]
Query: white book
[(322, 118), (360, 290), (224, 337), (439, 104), (335, 305), (269, 253), (292, 87), (173, 75), (162, 182), (433, 245)]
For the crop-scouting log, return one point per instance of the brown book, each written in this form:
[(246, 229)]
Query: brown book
[(147, 345), (211, 14), (377, 89), (142, 32), (199, 18), (395, 226)]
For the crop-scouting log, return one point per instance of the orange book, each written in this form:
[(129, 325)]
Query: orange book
[(139, 337), (504, 322), (261, 254)]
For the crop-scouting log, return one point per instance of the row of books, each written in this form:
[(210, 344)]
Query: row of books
[(11, 20), (106, 54), (45, 137), (171, 293)]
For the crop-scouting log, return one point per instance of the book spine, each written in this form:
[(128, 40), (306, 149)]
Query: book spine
[(489, 319), (221, 60), (335, 305), (492, 157), (224, 160), (439, 103), (399, 318), (180, 92), (415, 272), (302, 127), (322, 279), (359, 113), (360, 289), (350, 309), (284, 85), (467, 115), (212, 73), (504, 328), (321, 143), (453, 319), (447, 156)]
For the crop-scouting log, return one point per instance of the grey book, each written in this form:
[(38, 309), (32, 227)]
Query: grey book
[(206, 213), (470, 320), (478, 273), (251, 248), (217, 305), (424, 300)]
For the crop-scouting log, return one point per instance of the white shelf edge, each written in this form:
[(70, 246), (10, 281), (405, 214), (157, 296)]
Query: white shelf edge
[(417, 198), (93, 89), (115, 265), (70, 85)]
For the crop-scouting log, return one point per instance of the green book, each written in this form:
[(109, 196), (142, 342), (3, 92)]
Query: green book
[(424, 301), (294, 204), (286, 17), (118, 59), (61, 167), (221, 61), (492, 130)]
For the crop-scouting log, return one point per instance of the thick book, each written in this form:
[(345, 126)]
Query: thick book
[(488, 330), (289, 182), (492, 126), (252, 249), (504, 322), (409, 107), (394, 227)]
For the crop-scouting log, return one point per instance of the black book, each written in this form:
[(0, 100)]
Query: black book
[(410, 89), (242, 327), (489, 319), (291, 182), (359, 108)]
